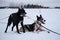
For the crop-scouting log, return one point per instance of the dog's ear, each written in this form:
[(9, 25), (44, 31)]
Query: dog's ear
[(40, 15), (36, 16), (22, 8)]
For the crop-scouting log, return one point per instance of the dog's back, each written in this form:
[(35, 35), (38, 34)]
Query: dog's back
[(29, 27)]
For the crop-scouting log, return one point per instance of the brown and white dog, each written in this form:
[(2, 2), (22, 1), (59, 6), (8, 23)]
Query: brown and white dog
[(34, 26)]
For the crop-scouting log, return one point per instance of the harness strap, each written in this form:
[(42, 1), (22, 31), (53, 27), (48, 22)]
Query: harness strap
[(28, 27), (49, 29)]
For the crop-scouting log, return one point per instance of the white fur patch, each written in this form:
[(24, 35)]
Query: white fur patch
[(21, 15)]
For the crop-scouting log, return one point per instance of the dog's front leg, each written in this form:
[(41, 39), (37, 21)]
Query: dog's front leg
[(17, 29), (22, 27)]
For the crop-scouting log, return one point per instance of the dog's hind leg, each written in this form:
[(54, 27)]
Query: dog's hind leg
[(6, 29), (9, 23), (12, 27)]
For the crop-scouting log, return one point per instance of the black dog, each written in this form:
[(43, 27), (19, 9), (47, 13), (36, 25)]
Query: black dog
[(15, 18)]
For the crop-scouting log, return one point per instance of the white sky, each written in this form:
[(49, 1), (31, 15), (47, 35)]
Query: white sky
[(51, 3)]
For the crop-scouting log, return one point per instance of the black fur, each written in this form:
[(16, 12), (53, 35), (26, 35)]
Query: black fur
[(15, 18)]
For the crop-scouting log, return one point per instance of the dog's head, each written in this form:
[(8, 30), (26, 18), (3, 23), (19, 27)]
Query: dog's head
[(40, 19), (21, 12)]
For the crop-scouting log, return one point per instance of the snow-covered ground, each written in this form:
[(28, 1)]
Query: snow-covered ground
[(52, 17)]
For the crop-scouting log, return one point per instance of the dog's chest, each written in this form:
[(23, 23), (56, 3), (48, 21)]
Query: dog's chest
[(37, 26)]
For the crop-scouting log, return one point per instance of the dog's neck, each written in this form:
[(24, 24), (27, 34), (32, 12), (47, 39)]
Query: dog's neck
[(38, 23)]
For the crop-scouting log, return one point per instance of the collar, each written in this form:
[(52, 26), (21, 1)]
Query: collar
[(37, 23)]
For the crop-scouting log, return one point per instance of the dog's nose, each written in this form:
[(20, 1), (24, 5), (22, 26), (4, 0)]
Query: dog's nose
[(44, 20)]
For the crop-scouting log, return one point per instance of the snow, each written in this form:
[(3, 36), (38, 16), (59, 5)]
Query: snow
[(52, 17)]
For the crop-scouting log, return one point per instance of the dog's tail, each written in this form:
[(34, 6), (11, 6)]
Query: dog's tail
[(9, 20)]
